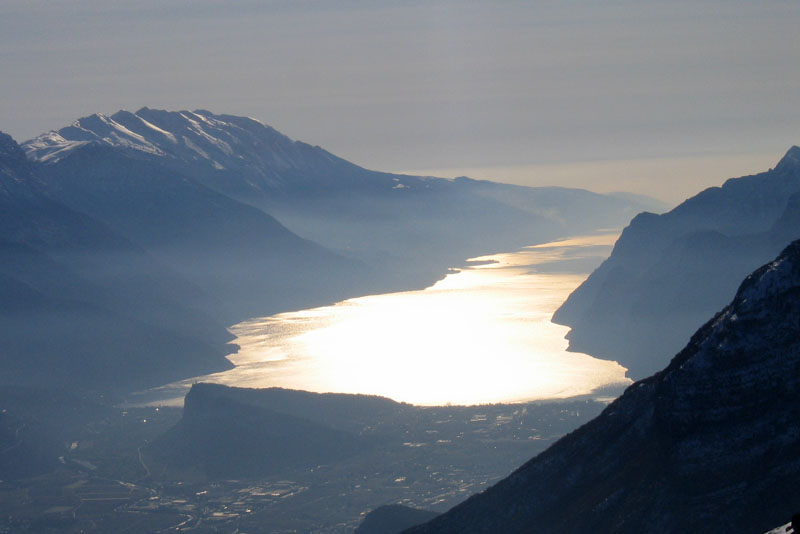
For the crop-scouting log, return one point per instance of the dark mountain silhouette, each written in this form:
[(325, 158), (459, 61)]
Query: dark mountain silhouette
[(240, 433), (668, 272), (710, 443), (393, 519), (343, 411), (82, 305)]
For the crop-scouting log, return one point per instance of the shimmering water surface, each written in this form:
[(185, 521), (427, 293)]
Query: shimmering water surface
[(480, 335)]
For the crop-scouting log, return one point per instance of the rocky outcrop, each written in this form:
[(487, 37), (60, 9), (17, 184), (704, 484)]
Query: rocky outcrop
[(668, 273)]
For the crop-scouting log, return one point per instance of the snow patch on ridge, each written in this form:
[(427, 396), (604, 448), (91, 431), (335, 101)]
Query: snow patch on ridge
[(95, 129), (50, 147), (201, 139), (783, 529), (152, 126)]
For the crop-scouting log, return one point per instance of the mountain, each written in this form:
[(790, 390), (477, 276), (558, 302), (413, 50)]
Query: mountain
[(393, 519), (668, 272), (83, 306), (230, 432), (245, 261), (350, 413), (408, 227), (220, 436), (712, 442)]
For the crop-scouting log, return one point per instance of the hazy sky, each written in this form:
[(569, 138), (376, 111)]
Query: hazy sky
[(652, 96)]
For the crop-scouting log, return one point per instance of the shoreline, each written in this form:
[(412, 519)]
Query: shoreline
[(172, 393)]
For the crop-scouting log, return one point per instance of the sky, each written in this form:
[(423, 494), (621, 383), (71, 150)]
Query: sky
[(656, 97)]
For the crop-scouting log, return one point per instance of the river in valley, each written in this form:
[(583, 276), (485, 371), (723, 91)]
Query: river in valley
[(480, 335)]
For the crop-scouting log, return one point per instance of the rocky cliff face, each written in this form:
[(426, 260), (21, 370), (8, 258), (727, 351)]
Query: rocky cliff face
[(669, 272), (712, 442)]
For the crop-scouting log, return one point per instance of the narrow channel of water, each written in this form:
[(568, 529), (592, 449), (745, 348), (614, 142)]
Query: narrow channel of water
[(480, 335)]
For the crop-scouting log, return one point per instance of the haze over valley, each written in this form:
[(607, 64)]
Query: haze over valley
[(480, 335), (127, 256), (399, 268), (216, 260), (163, 246)]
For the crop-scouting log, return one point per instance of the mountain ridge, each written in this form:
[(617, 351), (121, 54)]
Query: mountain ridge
[(678, 268), (690, 448), (409, 229)]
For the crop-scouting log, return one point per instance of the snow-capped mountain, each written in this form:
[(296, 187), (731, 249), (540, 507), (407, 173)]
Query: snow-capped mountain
[(245, 261), (711, 443), (388, 220), (220, 141), (243, 150)]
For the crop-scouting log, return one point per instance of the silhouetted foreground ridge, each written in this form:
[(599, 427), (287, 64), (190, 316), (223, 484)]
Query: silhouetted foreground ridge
[(712, 442), (407, 227)]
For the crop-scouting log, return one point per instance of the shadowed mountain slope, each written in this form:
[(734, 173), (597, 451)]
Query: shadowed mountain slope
[(669, 272), (245, 433), (712, 442), (82, 306), (244, 260)]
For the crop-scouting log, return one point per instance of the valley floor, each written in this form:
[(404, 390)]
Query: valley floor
[(104, 484)]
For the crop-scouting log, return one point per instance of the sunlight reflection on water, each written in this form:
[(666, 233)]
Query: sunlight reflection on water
[(480, 335)]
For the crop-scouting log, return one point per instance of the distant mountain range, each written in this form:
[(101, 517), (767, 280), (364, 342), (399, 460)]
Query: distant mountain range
[(129, 242), (405, 226), (668, 273), (711, 443)]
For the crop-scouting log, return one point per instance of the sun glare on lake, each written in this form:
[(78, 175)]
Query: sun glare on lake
[(480, 335)]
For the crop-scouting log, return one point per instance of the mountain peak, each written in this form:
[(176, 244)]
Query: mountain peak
[(197, 137), (791, 160), (238, 155), (770, 281), (96, 129)]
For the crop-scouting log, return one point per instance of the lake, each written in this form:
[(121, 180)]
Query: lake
[(480, 335)]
